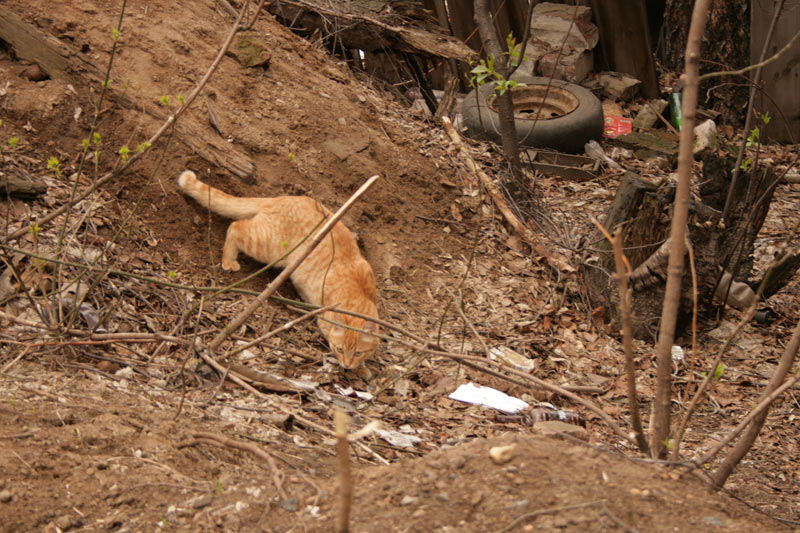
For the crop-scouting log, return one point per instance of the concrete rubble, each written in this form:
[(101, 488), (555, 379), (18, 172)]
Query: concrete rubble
[(566, 28)]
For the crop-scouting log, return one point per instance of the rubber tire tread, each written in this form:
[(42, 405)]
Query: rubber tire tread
[(568, 133)]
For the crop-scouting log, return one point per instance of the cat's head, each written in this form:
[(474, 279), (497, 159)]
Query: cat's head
[(351, 347)]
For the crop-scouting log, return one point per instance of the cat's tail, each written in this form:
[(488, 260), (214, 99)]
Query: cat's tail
[(216, 200)]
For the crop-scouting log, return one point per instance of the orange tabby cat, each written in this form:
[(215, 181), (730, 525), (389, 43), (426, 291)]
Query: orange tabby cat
[(334, 273)]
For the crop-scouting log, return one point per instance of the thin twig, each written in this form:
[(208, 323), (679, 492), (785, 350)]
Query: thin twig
[(345, 476), (756, 422), (186, 360), (271, 401), (467, 321), (527, 516), (285, 327), (607, 512), (760, 64), (623, 269), (491, 187), (737, 170), (225, 442), (762, 405), (660, 417), (115, 337)]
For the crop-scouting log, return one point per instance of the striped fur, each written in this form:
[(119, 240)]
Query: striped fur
[(334, 273)]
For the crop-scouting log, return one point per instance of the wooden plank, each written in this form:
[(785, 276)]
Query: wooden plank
[(780, 79), (625, 41), (365, 30), (11, 185), (32, 45)]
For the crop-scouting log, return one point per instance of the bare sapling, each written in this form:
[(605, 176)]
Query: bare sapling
[(660, 418), (503, 66)]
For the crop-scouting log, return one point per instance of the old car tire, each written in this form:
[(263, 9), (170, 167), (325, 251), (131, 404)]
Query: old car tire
[(574, 114)]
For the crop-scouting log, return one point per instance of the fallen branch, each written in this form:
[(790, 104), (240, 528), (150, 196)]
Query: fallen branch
[(527, 516), (762, 406), (494, 191), (271, 401), (285, 327), (111, 337), (225, 442)]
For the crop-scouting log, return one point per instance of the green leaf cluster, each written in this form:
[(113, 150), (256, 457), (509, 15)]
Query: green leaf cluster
[(485, 71)]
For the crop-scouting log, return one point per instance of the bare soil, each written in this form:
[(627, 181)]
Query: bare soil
[(117, 434)]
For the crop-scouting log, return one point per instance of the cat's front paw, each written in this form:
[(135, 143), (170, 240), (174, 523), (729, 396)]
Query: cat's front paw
[(230, 265)]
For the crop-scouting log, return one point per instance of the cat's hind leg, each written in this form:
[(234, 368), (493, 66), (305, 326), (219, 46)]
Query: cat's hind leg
[(234, 242)]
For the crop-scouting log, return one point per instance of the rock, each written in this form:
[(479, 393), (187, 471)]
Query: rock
[(63, 522), (291, 505), (342, 150), (549, 26), (551, 22), (502, 454), (553, 428), (66, 522), (5, 496), (200, 501), (661, 144), (735, 293), (251, 51), (511, 358), (619, 85), (714, 521), (705, 137), (573, 67), (408, 500), (647, 116)]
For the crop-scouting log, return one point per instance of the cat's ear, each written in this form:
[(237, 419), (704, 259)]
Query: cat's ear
[(337, 335), (366, 338)]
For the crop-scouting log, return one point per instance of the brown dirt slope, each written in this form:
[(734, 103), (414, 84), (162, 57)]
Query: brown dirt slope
[(112, 434)]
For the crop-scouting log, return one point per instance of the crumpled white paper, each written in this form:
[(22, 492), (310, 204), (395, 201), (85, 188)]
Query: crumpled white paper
[(488, 397)]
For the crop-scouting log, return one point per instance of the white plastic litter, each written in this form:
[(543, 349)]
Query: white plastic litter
[(488, 397), (595, 151)]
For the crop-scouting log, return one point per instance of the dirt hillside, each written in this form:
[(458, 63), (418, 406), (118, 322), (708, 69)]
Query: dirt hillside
[(129, 430)]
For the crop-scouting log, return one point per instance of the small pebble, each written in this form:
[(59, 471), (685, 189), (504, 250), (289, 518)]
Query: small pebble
[(502, 454), (714, 521), (291, 505), (201, 501), (5, 496), (408, 500)]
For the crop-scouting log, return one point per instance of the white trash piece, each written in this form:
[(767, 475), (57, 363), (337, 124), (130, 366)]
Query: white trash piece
[(488, 397)]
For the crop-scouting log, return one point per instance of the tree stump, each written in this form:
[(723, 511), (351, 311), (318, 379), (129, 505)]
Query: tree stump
[(644, 210)]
